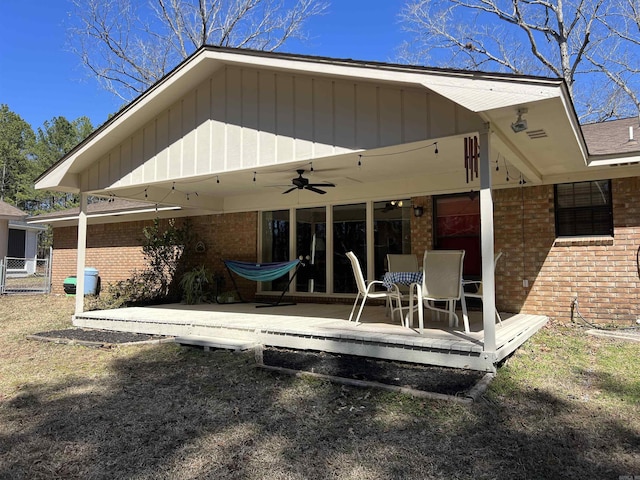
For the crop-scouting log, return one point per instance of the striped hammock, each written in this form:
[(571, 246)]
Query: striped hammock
[(260, 272)]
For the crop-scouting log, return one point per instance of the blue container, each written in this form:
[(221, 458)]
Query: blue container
[(91, 281)]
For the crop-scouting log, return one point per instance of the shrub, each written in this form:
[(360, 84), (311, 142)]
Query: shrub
[(195, 285), (165, 250)]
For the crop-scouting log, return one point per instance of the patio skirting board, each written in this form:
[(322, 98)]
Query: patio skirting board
[(323, 328)]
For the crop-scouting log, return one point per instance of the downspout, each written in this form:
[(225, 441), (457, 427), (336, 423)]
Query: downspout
[(82, 251), (486, 243)]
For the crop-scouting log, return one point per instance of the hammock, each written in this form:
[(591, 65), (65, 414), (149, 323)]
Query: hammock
[(262, 272)]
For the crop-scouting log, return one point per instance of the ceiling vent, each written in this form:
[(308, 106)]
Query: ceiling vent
[(535, 134)]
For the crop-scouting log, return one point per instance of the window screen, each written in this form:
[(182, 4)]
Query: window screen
[(583, 208)]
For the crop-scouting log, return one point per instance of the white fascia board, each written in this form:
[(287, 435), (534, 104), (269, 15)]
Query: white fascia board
[(151, 212), (63, 176), (26, 226), (631, 158), (481, 95), (59, 179)]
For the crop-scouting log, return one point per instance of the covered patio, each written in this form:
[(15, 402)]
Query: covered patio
[(227, 130), (323, 327)]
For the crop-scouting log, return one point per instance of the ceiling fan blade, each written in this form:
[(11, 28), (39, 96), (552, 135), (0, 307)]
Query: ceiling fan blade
[(316, 190), (321, 185), (290, 190)]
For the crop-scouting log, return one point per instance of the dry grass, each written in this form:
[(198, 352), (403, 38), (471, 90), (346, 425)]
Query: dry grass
[(566, 405)]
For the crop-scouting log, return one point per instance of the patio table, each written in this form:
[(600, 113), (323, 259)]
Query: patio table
[(402, 278)]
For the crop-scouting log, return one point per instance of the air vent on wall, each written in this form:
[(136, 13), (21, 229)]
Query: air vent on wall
[(628, 164), (534, 134)]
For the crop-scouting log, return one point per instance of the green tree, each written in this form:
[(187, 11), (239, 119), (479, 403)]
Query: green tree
[(54, 140), (17, 168)]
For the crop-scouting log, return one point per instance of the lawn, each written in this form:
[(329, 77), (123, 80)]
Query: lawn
[(565, 405)]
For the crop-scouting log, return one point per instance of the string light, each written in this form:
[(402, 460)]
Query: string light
[(217, 179), (434, 144)]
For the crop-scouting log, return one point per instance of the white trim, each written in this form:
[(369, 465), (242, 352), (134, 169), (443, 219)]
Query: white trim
[(487, 244), (82, 253)]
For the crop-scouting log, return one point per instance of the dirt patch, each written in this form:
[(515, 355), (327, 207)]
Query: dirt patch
[(447, 381), (93, 337)]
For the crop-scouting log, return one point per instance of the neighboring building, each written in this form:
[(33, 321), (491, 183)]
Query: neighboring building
[(18, 240), (223, 135)]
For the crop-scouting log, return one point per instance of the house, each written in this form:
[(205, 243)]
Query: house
[(404, 158), (18, 241)]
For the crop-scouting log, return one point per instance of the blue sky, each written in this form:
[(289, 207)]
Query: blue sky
[(40, 78)]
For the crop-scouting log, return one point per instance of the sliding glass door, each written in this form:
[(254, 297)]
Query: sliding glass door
[(391, 232), (275, 244), (311, 241), (349, 234), (322, 236)]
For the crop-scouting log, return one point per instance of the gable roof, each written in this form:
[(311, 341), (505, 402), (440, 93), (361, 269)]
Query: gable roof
[(553, 149), (9, 212), (614, 136), (479, 92)]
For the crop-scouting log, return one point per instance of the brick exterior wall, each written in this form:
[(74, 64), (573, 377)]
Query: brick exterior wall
[(601, 272), (115, 249)]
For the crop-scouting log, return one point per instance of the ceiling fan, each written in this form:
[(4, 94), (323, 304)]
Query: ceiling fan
[(301, 183)]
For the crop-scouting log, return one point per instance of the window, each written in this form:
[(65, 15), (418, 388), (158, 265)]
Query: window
[(17, 242), (583, 208)]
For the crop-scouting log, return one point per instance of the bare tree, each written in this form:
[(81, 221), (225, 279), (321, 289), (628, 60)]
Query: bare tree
[(129, 45), (586, 42)]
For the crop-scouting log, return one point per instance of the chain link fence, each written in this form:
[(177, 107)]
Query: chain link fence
[(25, 275)]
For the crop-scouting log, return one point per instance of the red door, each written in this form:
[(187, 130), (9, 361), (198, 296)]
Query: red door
[(457, 227)]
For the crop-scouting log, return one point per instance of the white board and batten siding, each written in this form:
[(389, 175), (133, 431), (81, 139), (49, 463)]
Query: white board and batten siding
[(245, 118)]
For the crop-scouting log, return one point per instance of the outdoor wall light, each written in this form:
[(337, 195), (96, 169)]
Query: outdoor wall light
[(418, 211), (520, 125)]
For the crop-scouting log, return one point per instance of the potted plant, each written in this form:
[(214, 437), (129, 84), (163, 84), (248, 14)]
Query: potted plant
[(195, 285)]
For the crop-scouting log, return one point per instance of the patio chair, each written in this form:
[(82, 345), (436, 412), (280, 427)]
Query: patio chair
[(441, 282), (366, 291), (402, 263), (477, 284)]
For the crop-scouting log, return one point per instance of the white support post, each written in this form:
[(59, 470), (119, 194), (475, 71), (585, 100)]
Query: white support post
[(486, 241), (370, 273), (82, 253)]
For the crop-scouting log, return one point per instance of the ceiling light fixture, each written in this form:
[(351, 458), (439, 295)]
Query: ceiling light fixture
[(520, 125)]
